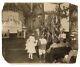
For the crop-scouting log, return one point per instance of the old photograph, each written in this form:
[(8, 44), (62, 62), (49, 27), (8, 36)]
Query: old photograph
[(40, 32)]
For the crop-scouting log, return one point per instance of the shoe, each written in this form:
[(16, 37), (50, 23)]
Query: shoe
[(31, 58)]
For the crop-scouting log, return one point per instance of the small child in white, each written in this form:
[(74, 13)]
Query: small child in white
[(30, 46)]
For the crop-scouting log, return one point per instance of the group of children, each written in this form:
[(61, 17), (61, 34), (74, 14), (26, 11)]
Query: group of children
[(31, 43)]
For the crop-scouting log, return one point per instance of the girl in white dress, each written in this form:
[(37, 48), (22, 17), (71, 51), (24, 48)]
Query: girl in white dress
[(30, 46)]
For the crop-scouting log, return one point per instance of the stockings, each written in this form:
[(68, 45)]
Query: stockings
[(30, 55)]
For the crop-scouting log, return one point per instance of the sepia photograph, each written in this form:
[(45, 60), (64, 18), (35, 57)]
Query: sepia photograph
[(40, 32)]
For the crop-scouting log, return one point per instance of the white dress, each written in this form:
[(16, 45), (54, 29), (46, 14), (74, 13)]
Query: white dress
[(30, 45)]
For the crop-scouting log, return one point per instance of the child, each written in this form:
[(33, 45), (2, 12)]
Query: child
[(42, 47), (30, 46)]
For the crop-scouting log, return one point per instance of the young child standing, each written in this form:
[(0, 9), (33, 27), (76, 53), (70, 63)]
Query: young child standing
[(30, 46), (42, 47)]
